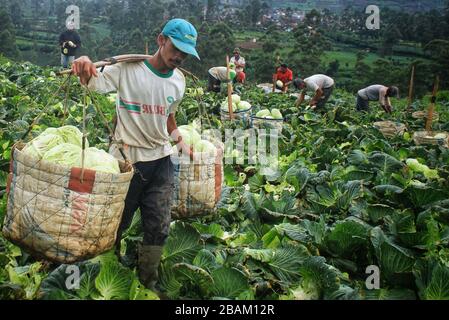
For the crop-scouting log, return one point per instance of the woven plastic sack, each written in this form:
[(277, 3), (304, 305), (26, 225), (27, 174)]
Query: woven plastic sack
[(423, 115), (55, 216), (198, 184), (390, 129), (424, 137)]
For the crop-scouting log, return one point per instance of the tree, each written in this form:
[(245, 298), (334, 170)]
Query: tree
[(212, 6), (332, 69), (309, 47), (390, 37), (264, 65), (439, 51), (16, 13), (254, 11), (7, 36), (214, 43), (105, 48), (136, 42)]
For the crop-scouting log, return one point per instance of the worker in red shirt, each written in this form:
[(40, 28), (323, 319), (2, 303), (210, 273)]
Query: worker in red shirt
[(284, 77)]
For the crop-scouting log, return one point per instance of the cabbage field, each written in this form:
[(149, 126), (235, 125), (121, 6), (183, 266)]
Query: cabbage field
[(346, 201)]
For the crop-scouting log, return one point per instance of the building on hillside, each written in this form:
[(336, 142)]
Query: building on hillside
[(232, 3)]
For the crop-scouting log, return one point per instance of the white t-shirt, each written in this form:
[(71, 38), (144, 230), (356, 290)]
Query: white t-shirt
[(145, 98), (318, 81), (219, 73), (240, 61)]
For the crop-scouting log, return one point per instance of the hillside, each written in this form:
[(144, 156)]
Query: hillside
[(338, 5)]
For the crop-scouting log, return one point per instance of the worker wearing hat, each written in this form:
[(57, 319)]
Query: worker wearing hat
[(218, 75), (376, 92), (240, 64), (148, 95)]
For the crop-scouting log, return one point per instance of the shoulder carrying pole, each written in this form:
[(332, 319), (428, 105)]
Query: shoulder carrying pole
[(231, 113)]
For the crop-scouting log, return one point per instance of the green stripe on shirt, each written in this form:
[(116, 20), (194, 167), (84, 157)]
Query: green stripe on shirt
[(130, 107)]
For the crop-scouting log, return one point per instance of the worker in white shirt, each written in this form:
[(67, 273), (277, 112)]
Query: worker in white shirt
[(219, 75), (149, 93), (321, 86), (240, 64)]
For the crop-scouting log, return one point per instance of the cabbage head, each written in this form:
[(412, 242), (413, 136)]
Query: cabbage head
[(100, 160), (41, 144), (189, 135), (244, 105), (276, 114), (66, 154), (263, 113), (415, 166), (71, 134), (224, 107), (235, 99), (205, 146)]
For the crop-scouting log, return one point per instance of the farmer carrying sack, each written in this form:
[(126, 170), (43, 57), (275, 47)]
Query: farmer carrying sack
[(59, 213)]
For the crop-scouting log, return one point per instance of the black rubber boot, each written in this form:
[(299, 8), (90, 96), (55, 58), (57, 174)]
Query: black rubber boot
[(148, 264)]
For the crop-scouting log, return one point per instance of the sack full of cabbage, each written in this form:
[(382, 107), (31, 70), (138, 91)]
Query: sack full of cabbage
[(198, 182), (267, 114), (240, 108), (192, 138), (63, 146), (56, 210), (266, 119), (238, 105)]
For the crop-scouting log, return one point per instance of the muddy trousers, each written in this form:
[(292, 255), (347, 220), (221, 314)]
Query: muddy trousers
[(151, 191)]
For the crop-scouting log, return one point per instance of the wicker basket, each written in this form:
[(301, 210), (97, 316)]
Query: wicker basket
[(423, 115), (55, 215), (425, 137), (390, 129)]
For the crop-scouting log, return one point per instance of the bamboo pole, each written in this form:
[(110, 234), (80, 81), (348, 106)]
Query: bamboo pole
[(432, 105), (274, 75), (127, 58), (146, 47), (231, 113), (410, 89)]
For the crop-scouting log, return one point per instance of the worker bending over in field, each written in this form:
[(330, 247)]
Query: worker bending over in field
[(149, 93), (217, 75), (320, 84), (240, 64), (284, 77), (376, 92)]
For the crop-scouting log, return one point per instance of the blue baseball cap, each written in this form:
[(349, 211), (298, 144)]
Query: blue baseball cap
[(183, 35)]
